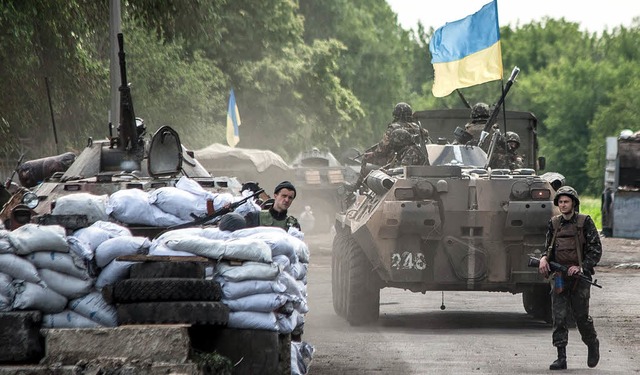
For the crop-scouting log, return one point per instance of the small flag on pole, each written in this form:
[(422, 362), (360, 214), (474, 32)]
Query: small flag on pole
[(233, 121), (467, 52)]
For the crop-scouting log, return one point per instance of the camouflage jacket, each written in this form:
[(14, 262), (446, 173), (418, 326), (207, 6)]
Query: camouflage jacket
[(506, 160), (592, 247), (384, 153)]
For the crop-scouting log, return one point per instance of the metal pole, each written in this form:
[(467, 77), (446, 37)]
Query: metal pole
[(114, 30)]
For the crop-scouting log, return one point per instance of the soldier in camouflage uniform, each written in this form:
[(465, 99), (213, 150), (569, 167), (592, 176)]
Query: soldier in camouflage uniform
[(508, 158), (406, 150), (386, 150), (276, 215), (572, 241)]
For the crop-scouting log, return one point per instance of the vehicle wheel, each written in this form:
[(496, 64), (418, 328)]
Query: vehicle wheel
[(537, 302), (337, 279), (363, 287), (188, 312), (153, 270), (169, 289)]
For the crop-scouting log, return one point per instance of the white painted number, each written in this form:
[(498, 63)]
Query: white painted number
[(408, 261)]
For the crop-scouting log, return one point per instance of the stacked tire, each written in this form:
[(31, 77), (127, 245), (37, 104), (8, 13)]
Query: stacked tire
[(167, 292)]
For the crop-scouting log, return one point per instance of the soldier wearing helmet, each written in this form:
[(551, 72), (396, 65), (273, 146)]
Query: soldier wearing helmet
[(573, 242), (479, 116), (506, 153), (390, 149)]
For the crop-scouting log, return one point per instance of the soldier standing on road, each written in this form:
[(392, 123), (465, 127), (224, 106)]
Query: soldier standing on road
[(276, 215), (572, 241)]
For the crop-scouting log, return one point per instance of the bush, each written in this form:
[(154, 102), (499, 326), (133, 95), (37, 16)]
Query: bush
[(591, 206)]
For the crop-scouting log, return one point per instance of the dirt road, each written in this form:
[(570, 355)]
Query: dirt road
[(477, 332)]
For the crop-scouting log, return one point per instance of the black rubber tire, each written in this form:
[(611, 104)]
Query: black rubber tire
[(173, 289), (188, 312), (337, 278), (363, 287), (154, 270), (537, 302)]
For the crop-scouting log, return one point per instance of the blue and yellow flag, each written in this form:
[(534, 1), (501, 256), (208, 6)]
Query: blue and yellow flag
[(233, 121), (467, 52)]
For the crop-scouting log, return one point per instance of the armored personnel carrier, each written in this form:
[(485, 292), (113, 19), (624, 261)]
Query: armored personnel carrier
[(126, 161), (453, 225)]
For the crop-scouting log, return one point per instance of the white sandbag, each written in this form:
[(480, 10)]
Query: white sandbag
[(34, 237), (67, 263), (131, 206), (292, 286), (287, 323), (118, 246), (19, 268), (301, 356), (214, 233), (239, 289), (239, 249), (298, 270), (66, 285), (5, 285), (92, 237), (115, 271), (80, 248), (5, 246), (91, 205), (280, 243), (180, 233), (193, 187), (301, 248), (299, 304), (115, 229), (283, 261), (246, 232), (264, 302), (252, 320), (248, 271), (248, 207), (30, 296), (161, 249), (5, 303), (94, 307), (295, 232), (68, 319), (178, 202)]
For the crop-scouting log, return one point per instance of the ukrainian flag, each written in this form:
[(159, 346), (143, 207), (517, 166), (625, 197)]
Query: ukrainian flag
[(467, 52), (233, 121)]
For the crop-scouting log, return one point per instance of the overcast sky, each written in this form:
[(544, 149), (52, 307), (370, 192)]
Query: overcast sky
[(592, 15)]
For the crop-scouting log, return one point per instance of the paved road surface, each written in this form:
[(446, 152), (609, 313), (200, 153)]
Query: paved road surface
[(477, 333)]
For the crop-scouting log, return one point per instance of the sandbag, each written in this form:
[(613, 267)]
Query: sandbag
[(94, 207), (30, 296), (94, 307), (247, 271), (67, 263), (34, 237), (116, 270), (68, 319), (239, 289), (19, 268), (131, 206), (68, 286), (118, 246), (252, 320), (264, 302)]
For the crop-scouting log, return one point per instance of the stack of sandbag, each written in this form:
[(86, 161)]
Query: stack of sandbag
[(292, 256), (170, 205), (94, 207)]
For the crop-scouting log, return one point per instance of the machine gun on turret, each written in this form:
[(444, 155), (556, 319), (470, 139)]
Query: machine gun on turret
[(128, 140)]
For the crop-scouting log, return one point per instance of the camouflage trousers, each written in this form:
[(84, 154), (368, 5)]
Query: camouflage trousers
[(574, 299)]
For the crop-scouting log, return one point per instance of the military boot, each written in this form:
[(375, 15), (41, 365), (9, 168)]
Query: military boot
[(561, 362), (594, 354)]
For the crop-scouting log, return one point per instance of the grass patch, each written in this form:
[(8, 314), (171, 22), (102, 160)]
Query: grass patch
[(591, 206)]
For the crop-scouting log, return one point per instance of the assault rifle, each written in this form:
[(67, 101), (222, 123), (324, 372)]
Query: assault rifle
[(557, 267), (201, 220), (496, 110)]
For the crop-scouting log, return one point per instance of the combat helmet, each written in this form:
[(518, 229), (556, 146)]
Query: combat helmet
[(512, 137), (570, 192), (402, 112), (480, 111)]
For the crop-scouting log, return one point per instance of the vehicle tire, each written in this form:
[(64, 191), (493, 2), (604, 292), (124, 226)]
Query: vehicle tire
[(337, 279), (188, 312), (537, 302), (363, 287), (169, 289), (154, 270)]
